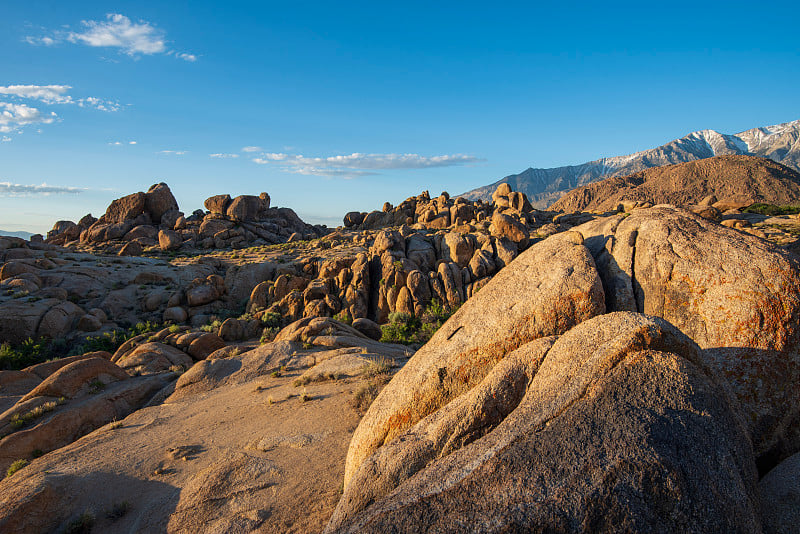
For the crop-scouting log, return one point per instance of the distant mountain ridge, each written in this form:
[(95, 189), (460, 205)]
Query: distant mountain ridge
[(779, 143), (22, 234)]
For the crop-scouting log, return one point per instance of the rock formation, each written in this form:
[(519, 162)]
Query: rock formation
[(735, 181)]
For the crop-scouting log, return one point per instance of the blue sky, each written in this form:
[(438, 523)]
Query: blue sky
[(339, 106)]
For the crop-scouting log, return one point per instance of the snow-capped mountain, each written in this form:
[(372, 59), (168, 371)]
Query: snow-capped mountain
[(780, 143)]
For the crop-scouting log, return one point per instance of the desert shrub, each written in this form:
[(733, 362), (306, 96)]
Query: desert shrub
[(16, 466), (344, 317), (381, 366), (271, 319), (364, 395), (410, 330), (31, 352), (269, 334), (213, 326), (771, 209), (20, 420)]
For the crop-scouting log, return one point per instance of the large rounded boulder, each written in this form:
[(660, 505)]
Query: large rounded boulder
[(613, 426)]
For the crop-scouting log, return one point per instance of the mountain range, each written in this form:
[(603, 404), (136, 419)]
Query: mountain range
[(543, 187)]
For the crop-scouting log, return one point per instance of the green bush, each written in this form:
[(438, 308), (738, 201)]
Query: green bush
[(410, 330), (16, 466), (30, 352), (344, 317), (771, 209), (271, 319)]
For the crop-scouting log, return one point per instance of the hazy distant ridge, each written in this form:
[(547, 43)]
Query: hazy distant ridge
[(23, 235), (780, 143)]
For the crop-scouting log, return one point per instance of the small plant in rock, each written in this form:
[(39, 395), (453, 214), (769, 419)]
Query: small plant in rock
[(364, 395), (213, 326), (305, 397), (268, 335), (302, 381), (16, 466), (381, 366), (271, 319), (174, 329), (115, 425), (276, 374), (96, 386), (344, 317), (20, 420)]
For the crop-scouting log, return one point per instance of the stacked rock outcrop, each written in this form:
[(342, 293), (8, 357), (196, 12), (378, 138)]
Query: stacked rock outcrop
[(152, 219), (624, 375)]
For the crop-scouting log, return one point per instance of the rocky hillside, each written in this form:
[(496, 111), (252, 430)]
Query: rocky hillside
[(209, 373), (779, 143), (731, 180)]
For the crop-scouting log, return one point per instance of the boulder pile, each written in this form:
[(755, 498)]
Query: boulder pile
[(152, 219), (629, 374)]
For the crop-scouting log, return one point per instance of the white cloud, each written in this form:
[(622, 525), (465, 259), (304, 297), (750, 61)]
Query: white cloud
[(49, 94), (57, 94), (173, 152), (7, 189), (120, 143), (116, 31), (5, 139), (131, 142), (252, 149), (15, 116), (224, 156), (358, 164)]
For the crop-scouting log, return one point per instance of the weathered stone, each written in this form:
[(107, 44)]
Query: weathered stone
[(126, 208), (612, 427), (169, 240), (368, 328), (158, 201), (547, 290), (780, 497), (131, 249), (721, 287), (353, 218), (509, 228), (204, 345), (175, 314), (247, 208), (75, 378), (217, 204), (59, 320)]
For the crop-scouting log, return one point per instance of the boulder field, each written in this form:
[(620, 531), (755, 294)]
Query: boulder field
[(615, 377), (633, 370)]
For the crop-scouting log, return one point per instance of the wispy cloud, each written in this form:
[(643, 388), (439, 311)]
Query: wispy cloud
[(116, 31), (191, 58), (5, 139), (7, 189), (358, 164), (173, 152), (57, 94), (14, 117), (252, 149), (223, 156), (120, 143)]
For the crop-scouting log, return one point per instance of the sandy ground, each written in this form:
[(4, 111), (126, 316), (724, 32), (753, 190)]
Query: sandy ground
[(240, 458)]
